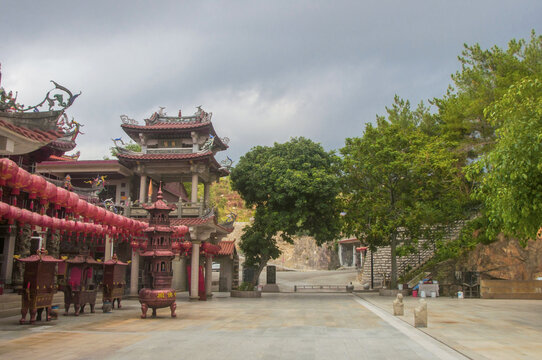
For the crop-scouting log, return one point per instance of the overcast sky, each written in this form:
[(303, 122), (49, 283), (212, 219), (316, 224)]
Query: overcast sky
[(268, 70)]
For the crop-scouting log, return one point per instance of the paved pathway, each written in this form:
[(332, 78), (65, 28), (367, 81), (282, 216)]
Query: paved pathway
[(479, 328), (277, 326)]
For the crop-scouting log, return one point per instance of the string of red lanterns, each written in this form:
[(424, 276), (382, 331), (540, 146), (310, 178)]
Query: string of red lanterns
[(103, 221)]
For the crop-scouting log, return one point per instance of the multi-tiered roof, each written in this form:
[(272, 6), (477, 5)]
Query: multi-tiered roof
[(174, 138)]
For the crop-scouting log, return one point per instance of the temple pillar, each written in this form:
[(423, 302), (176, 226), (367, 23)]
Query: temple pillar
[(108, 253), (194, 194), (179, 273), (194, 272), (9, 251), (134, 274), (209, 276), (195, 139), (143, 189)]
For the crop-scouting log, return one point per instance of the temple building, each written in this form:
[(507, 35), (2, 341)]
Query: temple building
[(178, 154), (28, 135), (179, 150)]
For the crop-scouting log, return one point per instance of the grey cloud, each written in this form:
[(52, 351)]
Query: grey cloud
[(268, 70)]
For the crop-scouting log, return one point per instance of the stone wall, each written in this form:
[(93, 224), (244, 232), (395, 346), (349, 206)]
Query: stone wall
[(506, 259), (382, 259)]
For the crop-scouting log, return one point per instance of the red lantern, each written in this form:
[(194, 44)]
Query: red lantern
[(4, 209), (73, 200), (47, 194), (14, 214), (108, 218), (100, 214), (71, 226), (57, 224), (134, 244), (143, 246), (36, 220), (63, 225), (81, 207), (176, 247), (37, 184), (26, 217), (8, 170), (18, 182), (62, 196), (79, 227), (186, 246), (90, 212), (47, 222)]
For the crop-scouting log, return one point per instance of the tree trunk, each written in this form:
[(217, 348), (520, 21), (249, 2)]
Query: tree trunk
[(393, 246), (262, 265)]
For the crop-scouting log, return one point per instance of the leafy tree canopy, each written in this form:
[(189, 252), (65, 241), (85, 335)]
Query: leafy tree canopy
[(293, 188), (510, 176), (399, 180), (485, 77)]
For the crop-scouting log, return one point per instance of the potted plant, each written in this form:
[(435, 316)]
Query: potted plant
[(246, 290)]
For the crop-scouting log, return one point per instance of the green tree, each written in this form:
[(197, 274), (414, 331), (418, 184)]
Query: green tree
[(400, 182), (130, 146), (485, 76), (293, 188), (510, 176)]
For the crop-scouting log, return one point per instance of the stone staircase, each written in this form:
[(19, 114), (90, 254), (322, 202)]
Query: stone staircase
[(382, 259)]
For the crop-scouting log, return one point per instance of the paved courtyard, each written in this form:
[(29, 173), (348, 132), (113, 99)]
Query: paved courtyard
[(277, 326)]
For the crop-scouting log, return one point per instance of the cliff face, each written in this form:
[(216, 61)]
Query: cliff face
[(304, 254), (506, 259)]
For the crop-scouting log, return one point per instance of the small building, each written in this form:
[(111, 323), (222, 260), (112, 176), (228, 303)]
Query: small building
[(348, 254), (228, 259)]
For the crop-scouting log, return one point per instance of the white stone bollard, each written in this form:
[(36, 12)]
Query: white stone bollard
[(420, 314), (398, 306)]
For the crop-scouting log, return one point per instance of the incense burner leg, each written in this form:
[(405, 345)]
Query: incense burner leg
[(24, 311), (173, 307), (40, 311), (153, 312), (66, 308), (118, 303), (77, 309), (92, 308), (33, 315), (144, 309)]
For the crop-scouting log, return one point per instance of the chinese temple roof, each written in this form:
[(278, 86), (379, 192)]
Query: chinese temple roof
[(227, 247), (159, 123), (83, 259), (115, 261), (41, 256), (160, 204), (157, 253), (28, 130), (152, 157), (349, 241)]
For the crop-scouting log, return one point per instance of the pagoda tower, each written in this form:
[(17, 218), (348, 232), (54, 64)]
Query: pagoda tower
[(179, 152)]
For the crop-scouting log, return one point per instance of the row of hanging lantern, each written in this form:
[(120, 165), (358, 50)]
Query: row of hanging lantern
[(103, 221), (208, 249)]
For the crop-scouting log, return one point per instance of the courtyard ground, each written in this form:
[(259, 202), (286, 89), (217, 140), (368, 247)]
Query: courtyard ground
[(288, 325), (277, 326)]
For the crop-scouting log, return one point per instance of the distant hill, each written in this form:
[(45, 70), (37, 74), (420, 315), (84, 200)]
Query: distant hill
[(227, 200)]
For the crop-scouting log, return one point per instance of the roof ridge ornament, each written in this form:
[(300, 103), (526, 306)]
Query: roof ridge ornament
[(126, 120), (9, 103)]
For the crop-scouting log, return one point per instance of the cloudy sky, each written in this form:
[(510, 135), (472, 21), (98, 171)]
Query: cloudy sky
[(268, 70)]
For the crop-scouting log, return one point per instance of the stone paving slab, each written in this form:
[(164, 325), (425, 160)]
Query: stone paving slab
[(478, 328), (277, 326)]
